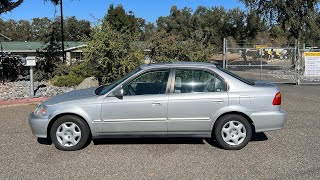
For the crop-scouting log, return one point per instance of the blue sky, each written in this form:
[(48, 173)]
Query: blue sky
[(93, 10)]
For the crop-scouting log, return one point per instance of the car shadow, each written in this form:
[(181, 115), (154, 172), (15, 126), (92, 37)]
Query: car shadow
[(255, 137), (259, 137), (44, 141), (123, 141), (127, 141)]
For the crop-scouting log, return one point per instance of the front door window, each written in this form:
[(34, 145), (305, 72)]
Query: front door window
[(154, 82)]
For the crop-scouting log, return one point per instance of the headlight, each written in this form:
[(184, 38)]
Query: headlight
[(40, 110)]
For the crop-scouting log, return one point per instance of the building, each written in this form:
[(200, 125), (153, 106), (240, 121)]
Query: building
[(73, 49)]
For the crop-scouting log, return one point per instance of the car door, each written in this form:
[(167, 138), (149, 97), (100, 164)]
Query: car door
[(197, 95), (143, 107)]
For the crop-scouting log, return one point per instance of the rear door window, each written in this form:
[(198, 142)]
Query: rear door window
[(189, 81)]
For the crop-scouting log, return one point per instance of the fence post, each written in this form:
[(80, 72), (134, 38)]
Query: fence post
[(31, 62), (297, 62), (31, 82), (224, 53), (260, 68)]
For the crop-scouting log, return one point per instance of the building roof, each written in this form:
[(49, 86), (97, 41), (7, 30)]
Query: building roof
[(32, 46)]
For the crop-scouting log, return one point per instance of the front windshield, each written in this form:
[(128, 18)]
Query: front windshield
[(236, 76), (107, 87)]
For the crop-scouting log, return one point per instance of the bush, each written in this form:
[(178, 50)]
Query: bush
[(109, 55), (61, 69), (69, 80)]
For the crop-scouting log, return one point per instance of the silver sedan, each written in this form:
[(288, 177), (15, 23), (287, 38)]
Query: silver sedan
[(163, 100)]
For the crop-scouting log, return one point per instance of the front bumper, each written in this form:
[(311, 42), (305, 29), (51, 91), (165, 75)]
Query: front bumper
[(266, 121), (38, 125)]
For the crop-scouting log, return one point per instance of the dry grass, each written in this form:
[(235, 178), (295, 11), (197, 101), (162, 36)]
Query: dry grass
[(231, 57)]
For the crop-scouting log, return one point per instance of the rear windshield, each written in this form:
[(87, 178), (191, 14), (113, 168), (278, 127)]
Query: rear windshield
[(236, 76)]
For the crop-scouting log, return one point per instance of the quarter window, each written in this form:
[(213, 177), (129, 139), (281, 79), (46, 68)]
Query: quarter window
[(154, 82), (188, 81)]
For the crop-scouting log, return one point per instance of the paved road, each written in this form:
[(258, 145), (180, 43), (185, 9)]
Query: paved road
[(292, 153)]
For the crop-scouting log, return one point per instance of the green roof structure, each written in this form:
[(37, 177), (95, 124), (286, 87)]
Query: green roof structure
[(20, 46)]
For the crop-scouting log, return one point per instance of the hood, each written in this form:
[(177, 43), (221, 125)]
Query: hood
[(71, 96)]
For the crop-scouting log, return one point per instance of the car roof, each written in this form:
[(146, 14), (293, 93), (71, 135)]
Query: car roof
[(177, 64)]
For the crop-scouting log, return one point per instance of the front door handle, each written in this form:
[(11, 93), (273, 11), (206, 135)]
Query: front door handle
[(156, 103)]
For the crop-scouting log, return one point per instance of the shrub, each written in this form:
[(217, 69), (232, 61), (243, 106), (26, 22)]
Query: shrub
[(69, 80), (109, 55)]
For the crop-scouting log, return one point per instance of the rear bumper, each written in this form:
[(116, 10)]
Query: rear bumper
[(38, 125), (267, 121)]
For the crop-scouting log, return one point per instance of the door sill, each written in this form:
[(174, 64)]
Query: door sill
[(150, 135)]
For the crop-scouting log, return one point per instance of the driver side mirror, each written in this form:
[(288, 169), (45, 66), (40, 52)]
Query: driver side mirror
[(118, 93)]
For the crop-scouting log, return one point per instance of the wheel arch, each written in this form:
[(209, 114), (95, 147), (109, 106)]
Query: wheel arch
[(238, 113), (64, 114)]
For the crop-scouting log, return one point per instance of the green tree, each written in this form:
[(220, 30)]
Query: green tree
[(49, 56), (311, 35), (76, 30), (55, 2), (178, 22), (119, 20), (166, 48), (235, 25), (277, 35), (255, 25), (24, 30), (293, 15), (145, 30), (9, 28), (109, 55), (8, 5), (40, 27)]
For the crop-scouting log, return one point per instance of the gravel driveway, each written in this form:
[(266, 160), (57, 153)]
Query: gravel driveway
[(291, 153)]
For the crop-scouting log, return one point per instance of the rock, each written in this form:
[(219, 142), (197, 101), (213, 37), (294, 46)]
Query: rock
[(20, 89), (88, 82)]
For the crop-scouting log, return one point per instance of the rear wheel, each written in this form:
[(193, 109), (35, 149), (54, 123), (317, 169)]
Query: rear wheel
[(69, 133), (232, 132)]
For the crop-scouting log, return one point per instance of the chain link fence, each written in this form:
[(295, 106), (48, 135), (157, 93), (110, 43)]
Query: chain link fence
[(263, 61)]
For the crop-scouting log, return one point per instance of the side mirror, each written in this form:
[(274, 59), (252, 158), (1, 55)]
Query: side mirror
[(118, 93)]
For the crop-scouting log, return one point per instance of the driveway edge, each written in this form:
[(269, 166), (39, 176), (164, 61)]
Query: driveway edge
[(22, 101)]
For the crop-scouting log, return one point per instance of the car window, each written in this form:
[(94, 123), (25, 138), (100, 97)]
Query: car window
[(188, 81), (247, 81), (153, 82), (108, 87)]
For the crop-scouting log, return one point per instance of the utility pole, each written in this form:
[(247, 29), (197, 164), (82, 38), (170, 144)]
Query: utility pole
[(1, 67), (62, 33)]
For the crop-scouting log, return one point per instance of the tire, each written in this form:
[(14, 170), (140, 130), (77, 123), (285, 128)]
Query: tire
[(69, 133), (232, 132)]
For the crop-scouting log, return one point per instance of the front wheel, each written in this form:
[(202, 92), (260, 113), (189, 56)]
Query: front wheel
[(232, 132), (69, 133)]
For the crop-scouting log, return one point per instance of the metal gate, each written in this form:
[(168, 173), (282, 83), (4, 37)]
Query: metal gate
[(262, 61)]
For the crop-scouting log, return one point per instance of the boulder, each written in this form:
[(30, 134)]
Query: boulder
[(88, 82)]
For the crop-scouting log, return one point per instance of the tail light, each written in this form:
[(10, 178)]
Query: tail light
[(277, 99)]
